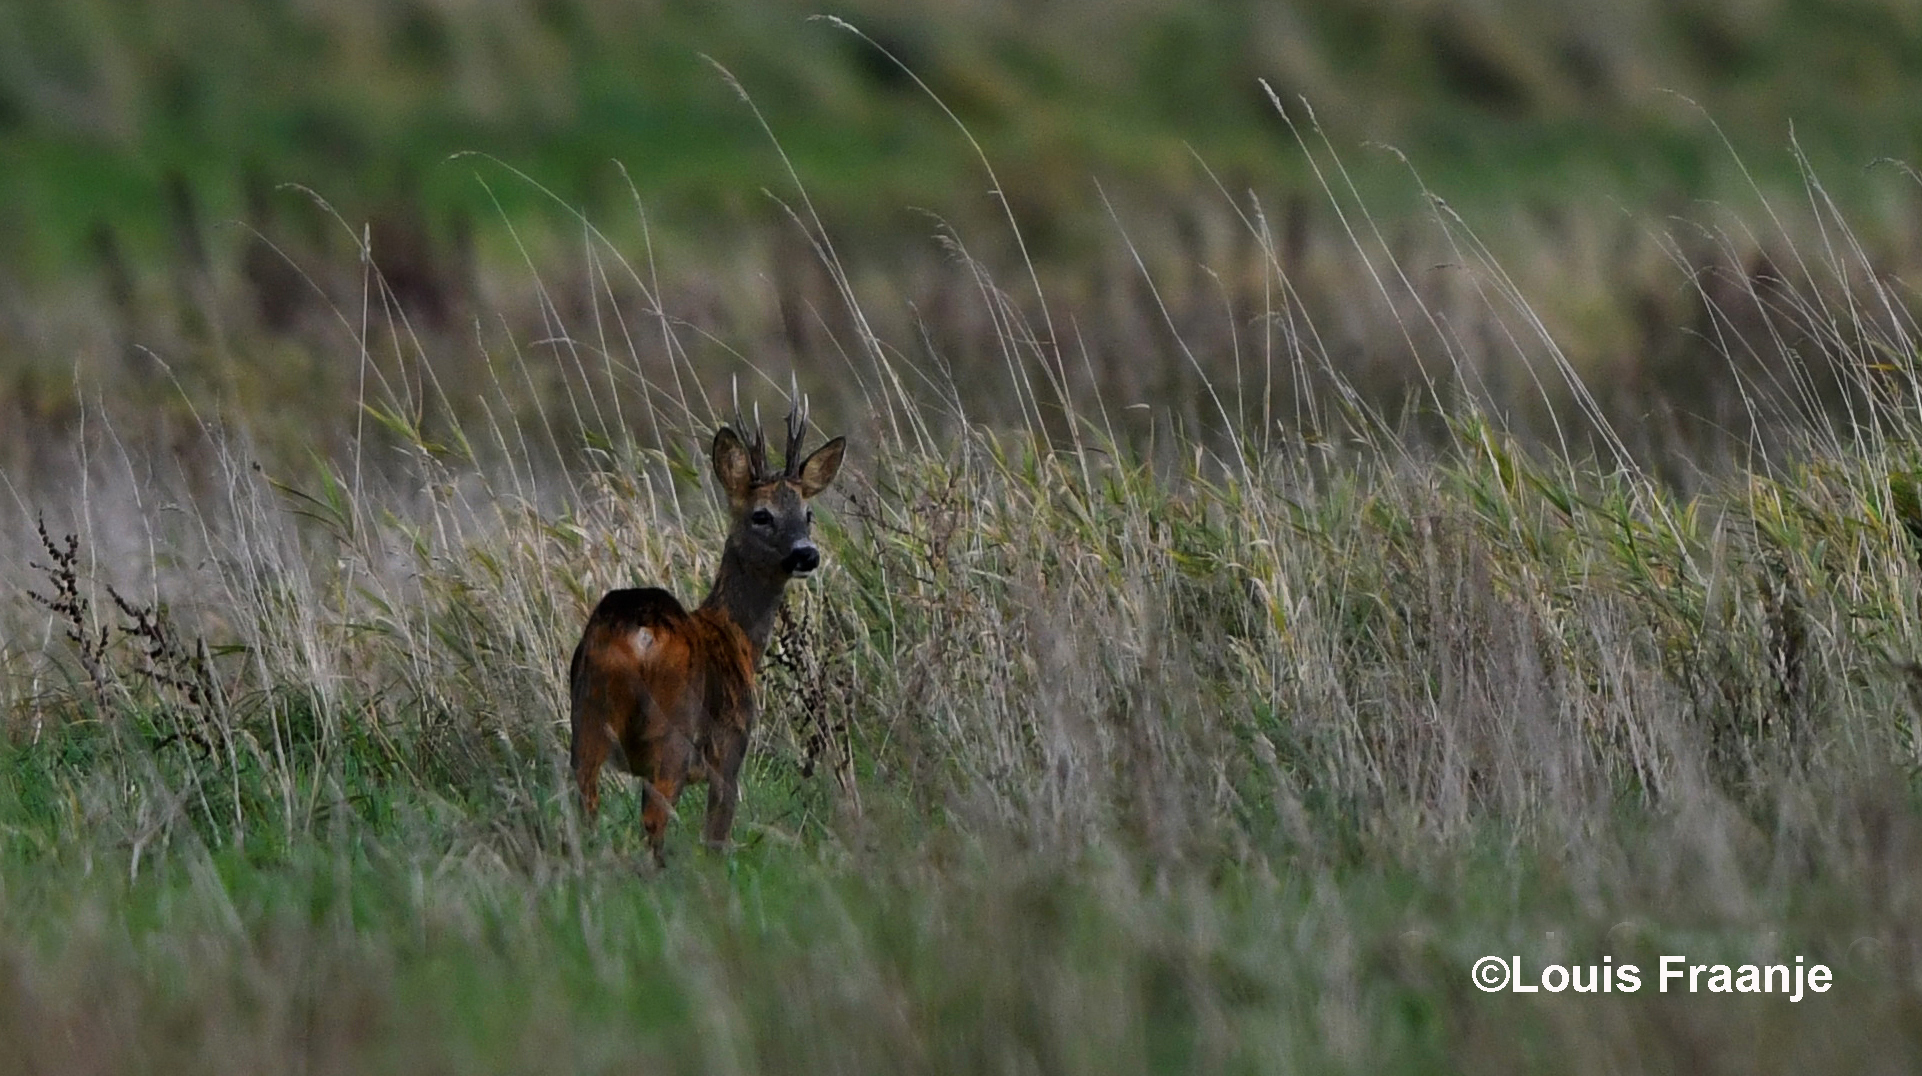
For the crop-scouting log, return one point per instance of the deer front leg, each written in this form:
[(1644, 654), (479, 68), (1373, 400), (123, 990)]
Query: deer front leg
[(724, 754)]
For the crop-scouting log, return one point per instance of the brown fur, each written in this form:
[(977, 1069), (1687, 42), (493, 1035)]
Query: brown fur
[(668, 695)]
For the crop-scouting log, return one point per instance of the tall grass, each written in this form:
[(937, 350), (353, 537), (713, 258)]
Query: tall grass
[(1223, 745), (165, 192)]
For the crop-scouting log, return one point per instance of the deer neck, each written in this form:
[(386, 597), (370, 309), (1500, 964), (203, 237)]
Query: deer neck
[(748, 597)]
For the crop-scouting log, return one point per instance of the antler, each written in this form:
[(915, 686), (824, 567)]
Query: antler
[(797, 424), (756, 441)]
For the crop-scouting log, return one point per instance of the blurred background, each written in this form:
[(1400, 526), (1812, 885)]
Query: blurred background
[(263, 213)]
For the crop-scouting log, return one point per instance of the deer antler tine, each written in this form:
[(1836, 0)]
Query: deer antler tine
[(750, 434), (760, 446), (797, 424)]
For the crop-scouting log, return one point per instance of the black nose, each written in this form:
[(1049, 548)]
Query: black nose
[(801, 560)]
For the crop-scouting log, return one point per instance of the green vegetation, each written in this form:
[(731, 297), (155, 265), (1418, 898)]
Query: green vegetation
[(1073, 759), (185, 188), (1242, 611), (104, 108)]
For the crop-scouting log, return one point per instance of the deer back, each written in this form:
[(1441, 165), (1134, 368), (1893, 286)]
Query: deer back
[(647, 668)]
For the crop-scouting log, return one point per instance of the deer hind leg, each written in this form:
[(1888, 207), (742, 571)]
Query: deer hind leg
[(725, 751), (587, 751), (660, 790)]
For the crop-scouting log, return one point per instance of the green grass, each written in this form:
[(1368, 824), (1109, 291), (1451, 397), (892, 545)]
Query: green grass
[(1230, 766), (158, 171)]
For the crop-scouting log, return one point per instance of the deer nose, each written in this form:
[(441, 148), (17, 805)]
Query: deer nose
[(801, 560)]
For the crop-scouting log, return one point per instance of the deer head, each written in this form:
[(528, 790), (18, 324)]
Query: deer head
[(772, 524)]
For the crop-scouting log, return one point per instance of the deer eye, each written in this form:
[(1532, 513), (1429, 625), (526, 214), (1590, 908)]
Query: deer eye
[(761, 517)]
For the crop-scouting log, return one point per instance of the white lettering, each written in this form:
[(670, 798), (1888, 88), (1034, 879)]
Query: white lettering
[(1515, 978), (1667, 974), (1630, 977), (1594, 979), (1819, 978)]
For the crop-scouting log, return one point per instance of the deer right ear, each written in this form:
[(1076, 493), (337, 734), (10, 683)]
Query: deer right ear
[(731, 465), (820, 468)]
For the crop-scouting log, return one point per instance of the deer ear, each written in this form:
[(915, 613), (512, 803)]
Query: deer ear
[(731, 465), (820, 468)]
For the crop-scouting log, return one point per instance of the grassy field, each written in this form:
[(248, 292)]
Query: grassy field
[(1075, 757), (1236, 621)]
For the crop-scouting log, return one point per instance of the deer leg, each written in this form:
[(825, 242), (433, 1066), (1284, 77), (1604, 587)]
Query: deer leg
[(662, 788), (724, 754), (587, 751)]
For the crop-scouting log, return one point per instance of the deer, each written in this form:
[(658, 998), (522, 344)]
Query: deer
[(669, 695)]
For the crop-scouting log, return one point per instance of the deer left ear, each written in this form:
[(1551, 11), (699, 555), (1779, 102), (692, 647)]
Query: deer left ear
[(731, 465), (820, 468)]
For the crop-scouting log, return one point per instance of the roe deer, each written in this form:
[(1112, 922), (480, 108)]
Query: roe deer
[(669, 693)]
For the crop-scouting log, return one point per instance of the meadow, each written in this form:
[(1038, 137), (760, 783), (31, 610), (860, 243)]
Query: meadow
[(1239, 615)]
